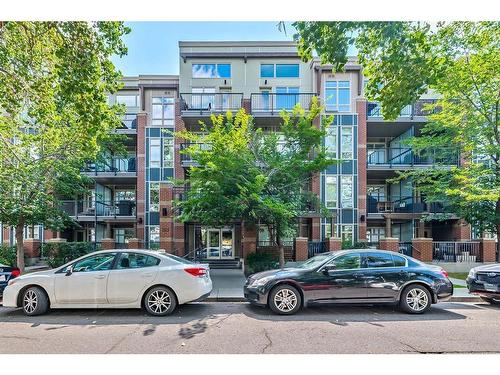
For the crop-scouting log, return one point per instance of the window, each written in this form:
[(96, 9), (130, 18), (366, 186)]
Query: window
[(398, 261), (267, 70), (168, 153), (163, 113), (287, 70), (136, 260), (331, 142), (338, 96), (331, 192), (36, 232), (154, 197), (128, 100), (346, 142), (347, 262), (155, 153), (286, 97), (100, 262), (211, 70), (375, 234), (379, 260), (347, 233), (346, 192), (154, 233)]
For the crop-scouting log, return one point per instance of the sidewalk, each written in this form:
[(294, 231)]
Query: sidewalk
[(227, 285)]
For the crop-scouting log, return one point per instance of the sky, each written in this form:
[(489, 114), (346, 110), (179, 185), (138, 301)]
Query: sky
[(153, 46)]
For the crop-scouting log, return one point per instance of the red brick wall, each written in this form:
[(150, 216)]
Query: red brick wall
[(141, 174), (361, 111), (247, 105), (390, 244), (461, 230), (301, 252), (108, 243), (488, 250), (31, 248), (422, 249), (248, 239), (333, 244), (166, 227)]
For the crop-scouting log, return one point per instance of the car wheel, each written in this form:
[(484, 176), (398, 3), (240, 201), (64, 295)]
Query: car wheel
[(486, 299), (35, 301), (285, 300), (415, 299), (160, 301)]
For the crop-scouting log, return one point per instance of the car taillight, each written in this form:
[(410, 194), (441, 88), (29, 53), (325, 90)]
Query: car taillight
[(196, 271), (15, 272), (444, 273)]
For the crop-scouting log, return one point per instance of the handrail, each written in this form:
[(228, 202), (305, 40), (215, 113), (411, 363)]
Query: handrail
[(217, 101), (275, 102)]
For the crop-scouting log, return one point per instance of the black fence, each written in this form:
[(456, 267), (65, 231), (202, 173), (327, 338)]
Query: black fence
[(211, 102), (276, 102), (316, 247), (419, 108), (406, 248), (456, 251)]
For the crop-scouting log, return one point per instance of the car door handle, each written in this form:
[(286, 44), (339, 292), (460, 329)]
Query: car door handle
[(147, 274), (100, 276)]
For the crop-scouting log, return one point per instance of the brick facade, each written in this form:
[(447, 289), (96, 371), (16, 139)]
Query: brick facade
[(248, 239), (333, 244), (108, 243), (301, 249), (141, 175), (487, 250), (422, 249), (361, 111), (31, 248), (389, 243)]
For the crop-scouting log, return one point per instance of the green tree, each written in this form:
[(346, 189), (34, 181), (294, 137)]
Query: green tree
[(460, 61), (54, 116), (247, 174)]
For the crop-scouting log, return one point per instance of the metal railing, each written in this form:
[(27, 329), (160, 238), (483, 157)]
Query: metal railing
[(113, 165), (411, 110), (269, 243), (406, 156), (404, 205), (211, 102), (456, 251), (406, 248), (186, 159), (275, 102), (129, 121), (90, 208), (315, 247)]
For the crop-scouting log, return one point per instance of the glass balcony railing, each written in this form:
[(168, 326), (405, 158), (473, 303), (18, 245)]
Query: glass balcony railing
[(397, 156), (276, 102), (412, 110), (403, 205), (129, 121), (113, 165), (99, 208), (211, 102)]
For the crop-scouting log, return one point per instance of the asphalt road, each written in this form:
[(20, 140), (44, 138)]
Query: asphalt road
[(241, 328)]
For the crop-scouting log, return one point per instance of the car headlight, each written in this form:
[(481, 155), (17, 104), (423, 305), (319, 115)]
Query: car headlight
[(472, 273), (262, 281)]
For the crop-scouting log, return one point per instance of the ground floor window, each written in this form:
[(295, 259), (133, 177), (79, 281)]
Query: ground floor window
[(153, 238), (374, 235)]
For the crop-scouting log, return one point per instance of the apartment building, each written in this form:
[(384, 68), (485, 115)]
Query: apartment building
[(130, 204)]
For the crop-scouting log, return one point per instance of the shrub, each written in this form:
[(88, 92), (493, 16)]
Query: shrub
[(60, 253), (356, 245), (260, 261), (8, 255)]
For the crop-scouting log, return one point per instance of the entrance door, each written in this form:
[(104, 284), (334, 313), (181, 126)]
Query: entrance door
[(227, 248), (220, 243), (213, 244)]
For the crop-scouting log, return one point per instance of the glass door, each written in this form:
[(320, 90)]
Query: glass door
[(227, 244), (213, 244)]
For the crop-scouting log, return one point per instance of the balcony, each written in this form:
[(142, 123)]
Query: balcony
[(186, 159), (100, 210), (416, 111), (109, 170), (403, 205), (405, 157), (201, 105), (129, 124), (271, 104)]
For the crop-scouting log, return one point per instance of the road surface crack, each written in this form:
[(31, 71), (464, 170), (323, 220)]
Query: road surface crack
[(269, 344)]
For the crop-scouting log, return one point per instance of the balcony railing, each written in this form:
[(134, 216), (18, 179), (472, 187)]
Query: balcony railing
[(98, 208), (129, 121), (396, 156), (412, 110), (274, 102), (186, 159), (210, 102), (412, 205), (456, 251), (114, 165)]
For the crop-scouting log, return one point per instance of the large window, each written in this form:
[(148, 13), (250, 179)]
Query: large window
[(168, 153), (347, 142), (153, 233), (211, 70), (338, 96), (154, 197), (331, 192), (331, 142), (281, 71), (163, 111), (128, 100), (346, 233), (155, 152), (267, 70), (346, 191)]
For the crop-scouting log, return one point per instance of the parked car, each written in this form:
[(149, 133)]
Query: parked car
[(485, 282), (7, 273), (351, 276), (154, 280)]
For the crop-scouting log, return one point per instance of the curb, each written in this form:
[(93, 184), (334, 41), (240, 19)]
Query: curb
[(465, 299), (225, 299)]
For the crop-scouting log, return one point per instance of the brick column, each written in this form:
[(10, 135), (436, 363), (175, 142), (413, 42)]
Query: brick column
[(108, 243), (333, 244), (389, 243), (301, 250), (135, 243), (166, 221), (487, 249), (247, 105), (461, 230), (362, 130), (141, 174), (248, 239), (31, 248), (422, 249)]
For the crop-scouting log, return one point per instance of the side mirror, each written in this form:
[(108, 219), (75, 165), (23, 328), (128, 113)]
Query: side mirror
[(69, 270), (328, 268)]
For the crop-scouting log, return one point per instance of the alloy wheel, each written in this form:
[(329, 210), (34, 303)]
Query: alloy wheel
[(285, 300), (30, 301), (417, 299), (159, 301)]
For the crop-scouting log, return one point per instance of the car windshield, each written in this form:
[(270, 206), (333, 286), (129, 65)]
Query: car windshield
[(315, 261), (177, 259)]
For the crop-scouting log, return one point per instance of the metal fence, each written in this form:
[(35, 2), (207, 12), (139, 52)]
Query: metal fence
[(211, 102), (129, 121), (315, 247), (275, 103), (90, 208), (419, 108), (395, 156), (113, 165), (456, 251), (406, 248)]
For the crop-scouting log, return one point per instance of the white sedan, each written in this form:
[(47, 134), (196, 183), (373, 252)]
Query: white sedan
[(112, 279)]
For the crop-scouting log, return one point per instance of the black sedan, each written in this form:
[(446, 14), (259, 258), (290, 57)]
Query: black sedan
[(485, 282), (7, 273), (351, 276)]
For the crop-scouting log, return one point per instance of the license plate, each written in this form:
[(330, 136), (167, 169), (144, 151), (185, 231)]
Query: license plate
[(3, 278), (490, 287)]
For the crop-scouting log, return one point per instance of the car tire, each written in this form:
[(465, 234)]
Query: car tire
[(160, 301), (415, 299), (285, 300), (486, 299), (34, 301)]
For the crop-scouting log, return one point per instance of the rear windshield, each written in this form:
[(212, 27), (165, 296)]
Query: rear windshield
[(177, 259)]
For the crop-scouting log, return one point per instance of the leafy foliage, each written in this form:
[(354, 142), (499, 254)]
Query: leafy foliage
[(60, 253), (8, 255), (259, 262)]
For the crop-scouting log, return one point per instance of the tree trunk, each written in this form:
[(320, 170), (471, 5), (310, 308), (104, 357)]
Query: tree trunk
[(19, 246), (281, 251)]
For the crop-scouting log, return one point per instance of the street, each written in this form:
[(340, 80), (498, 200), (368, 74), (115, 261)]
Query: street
[(242, 328)]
